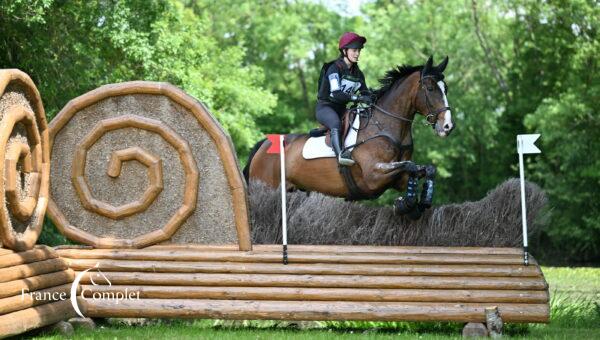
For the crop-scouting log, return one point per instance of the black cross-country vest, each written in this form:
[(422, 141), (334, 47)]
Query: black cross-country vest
[(337, 83)]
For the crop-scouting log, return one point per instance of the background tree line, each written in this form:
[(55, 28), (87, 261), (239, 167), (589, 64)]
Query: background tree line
[(516, 66)]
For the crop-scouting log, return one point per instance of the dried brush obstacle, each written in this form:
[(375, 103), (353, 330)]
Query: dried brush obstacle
[(34, 290), (320, 283), (494, 221)]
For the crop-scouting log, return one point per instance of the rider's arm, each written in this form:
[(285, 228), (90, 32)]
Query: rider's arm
[(364, 90), (366, 96), (336, 94)]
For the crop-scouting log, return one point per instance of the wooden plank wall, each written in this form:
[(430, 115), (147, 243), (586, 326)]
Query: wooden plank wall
[(320, 283)]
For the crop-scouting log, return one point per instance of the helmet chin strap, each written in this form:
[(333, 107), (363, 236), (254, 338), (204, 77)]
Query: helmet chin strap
[(345, 54)]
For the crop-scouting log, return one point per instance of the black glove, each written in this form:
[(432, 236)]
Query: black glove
[(366, 98)]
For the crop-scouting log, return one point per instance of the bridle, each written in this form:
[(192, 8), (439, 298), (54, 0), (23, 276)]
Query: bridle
[(431, 114), (384, 134)]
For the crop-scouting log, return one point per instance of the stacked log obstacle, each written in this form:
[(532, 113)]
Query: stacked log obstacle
[(139, 163), (320, 283), (34, 290)]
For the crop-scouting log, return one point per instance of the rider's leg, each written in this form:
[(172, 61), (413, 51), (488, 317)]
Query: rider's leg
[(344, 157), (327, 116)]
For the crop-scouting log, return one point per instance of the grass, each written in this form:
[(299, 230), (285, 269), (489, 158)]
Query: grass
[(575, 314)]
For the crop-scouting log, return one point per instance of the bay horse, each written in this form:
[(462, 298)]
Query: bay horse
[(384, 146)]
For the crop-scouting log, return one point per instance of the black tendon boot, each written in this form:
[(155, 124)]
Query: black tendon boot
[(406, 204), (428, 188), (343, 158)]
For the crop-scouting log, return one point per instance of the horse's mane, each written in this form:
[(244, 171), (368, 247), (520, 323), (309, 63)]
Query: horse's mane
[(392, 76)]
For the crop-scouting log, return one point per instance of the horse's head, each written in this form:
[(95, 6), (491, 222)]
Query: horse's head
[(431, 99)]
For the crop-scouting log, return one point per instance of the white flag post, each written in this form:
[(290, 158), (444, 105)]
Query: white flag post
[(283, 199), (525, 144)]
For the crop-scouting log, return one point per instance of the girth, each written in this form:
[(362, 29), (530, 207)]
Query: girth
[(355, 193)]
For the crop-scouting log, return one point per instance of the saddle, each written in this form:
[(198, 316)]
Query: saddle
[(347, 122), (322, 130)]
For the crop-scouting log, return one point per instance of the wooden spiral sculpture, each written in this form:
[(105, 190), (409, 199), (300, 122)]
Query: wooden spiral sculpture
[(140, 163), (24, 161)]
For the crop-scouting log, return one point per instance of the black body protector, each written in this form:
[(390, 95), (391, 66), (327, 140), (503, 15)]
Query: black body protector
[(338, 85)]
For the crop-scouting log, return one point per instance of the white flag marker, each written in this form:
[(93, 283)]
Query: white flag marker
[(283, 200), (525, 145)]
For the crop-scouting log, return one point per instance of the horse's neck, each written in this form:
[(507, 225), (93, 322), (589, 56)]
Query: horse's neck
[(400, 102)]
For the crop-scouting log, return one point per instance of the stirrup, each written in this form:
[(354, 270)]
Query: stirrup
[(345, 159)]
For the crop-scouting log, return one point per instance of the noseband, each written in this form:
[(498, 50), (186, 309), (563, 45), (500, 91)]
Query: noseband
[(431, 114)]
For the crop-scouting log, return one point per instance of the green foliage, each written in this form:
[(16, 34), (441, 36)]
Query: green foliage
[(72, 47), (515, 67), (574, 296), (50, 236), (289, 47)]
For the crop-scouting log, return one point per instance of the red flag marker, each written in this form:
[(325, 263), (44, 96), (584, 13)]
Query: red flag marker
[(277, 146), (274, 139)]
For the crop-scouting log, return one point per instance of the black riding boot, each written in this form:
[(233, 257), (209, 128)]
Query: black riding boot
[(343, 157)]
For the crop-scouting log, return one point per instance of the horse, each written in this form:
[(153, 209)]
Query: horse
[(384, 146)]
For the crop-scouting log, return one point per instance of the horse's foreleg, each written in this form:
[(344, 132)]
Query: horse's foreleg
[(428, 187), (408, 204)]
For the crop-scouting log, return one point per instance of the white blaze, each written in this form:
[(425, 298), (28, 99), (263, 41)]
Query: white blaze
[(447, 114)]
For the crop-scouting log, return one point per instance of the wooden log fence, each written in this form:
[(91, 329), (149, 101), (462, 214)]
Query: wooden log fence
[(34, 290), (320, 283)]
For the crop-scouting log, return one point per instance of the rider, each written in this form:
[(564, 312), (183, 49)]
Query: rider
[(340, 82)]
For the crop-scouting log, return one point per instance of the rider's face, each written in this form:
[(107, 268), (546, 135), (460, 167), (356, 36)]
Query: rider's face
[(353, 54)]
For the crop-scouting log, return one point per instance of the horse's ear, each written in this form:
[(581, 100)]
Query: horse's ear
[(442, 66), (428, 65)]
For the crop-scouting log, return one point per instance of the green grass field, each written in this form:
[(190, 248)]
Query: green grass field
[(575, 314)]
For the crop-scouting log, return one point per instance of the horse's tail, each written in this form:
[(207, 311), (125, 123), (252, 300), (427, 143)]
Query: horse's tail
[(253, 152)]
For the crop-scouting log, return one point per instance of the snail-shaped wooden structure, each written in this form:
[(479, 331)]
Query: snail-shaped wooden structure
[(24, 161), (139, 163), (31, 277)]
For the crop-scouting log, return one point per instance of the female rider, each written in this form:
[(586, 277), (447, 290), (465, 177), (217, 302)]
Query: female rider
[(340, 83)]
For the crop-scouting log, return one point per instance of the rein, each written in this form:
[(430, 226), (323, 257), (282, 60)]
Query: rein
[(430, 113), (384, 134)]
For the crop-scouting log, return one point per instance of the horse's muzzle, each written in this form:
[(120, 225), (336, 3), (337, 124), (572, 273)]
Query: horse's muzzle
[(443, 130)]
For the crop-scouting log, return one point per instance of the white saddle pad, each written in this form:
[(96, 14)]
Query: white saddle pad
[(315, 147)]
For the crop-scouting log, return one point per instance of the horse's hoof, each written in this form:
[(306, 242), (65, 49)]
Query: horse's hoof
[(403, 206), (415, 214)]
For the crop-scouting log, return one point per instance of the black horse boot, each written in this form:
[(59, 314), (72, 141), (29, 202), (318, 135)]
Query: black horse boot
[(343, 157)]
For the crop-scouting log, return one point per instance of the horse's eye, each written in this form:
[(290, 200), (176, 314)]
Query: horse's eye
[(429, 88)]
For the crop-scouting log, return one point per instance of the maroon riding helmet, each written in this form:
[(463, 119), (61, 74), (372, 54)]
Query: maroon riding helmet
[(351, 40)]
